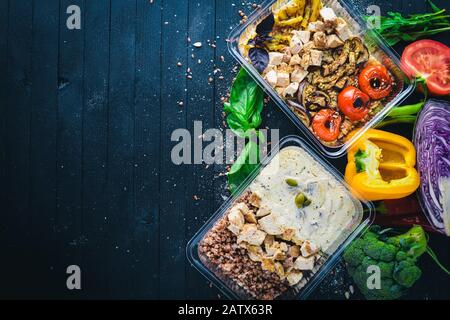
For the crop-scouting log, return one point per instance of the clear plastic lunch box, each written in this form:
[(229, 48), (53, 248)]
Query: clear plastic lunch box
[(349, 11), (362, 219)]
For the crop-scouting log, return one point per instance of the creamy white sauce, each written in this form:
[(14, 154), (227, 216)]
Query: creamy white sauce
[(330, 212)]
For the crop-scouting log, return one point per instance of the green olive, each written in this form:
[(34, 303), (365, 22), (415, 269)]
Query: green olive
[(291, 182), (300, 200)]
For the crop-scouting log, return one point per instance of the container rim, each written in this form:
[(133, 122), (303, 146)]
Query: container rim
[(366, 213), (354, 13)]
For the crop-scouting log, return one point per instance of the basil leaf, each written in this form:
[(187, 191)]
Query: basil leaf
[(259, 58), (245, 164), (245, 105), (244, 117)]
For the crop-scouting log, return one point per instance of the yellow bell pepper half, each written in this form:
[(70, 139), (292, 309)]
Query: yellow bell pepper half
[(381, 166)]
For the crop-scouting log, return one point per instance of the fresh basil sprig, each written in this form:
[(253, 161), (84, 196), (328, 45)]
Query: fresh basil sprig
[(245, 105), (244, 117), (245, 164)]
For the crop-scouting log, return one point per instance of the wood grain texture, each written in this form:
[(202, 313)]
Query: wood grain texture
[(17, 113), (172, 214), (86, 175), (95, 200)]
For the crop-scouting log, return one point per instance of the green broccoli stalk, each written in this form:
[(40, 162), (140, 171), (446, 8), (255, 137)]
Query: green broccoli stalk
[(396, 257)]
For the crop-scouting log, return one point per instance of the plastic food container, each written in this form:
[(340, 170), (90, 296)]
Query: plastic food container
[(377, 48), (362, 219)]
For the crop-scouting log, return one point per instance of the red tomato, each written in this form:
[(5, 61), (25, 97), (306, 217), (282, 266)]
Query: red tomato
[(375, 81), (353, 103), (431, 60), (327, 124)]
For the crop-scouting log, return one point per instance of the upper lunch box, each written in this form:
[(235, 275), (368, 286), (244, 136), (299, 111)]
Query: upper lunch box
[(377, 48)]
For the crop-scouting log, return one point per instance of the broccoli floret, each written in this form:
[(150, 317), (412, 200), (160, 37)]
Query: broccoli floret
[(380, 250), (386, 268), (355, 254), (407, 273), (401, 255), (414, 242), (389, 290), (395, 257)]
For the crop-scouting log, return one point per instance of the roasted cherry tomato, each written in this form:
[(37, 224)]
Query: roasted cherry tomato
[(375, 81), (353, 103), (327, 124), (430, 60)]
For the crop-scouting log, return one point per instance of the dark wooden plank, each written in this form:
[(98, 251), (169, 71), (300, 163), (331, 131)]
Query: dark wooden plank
[(69, 144), (4, 26), (200, 109), (43, 152), (120, 147), (147, 150), (95, 147), (172, 179), (16, 111)]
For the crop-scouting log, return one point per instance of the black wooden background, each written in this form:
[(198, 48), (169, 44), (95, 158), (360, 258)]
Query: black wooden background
[(85, 124)]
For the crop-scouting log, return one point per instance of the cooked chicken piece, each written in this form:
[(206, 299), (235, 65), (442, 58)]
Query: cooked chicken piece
[(254, 200), (279, 255), (279, 270), (286, 55), (320, 40), (249, 216), (268, 241), (270, 225), (298, 75), (288, 263), (294, 251), (316, 57), (343, 30), (302, 35), (234, 229), (277, 250), (275, 58), (308, 248), (288, 234), (328, 16), (295, 59), (316, 26), (283, 79), (294, 277), (297, 241), (295, 45), (283, 246), (268, 264), (262, 212), (333, 41), (251, 235), (302, 263), (306, 60), (271, 248), (236, 217), (272, 78), (255, 253), (291, 89)]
